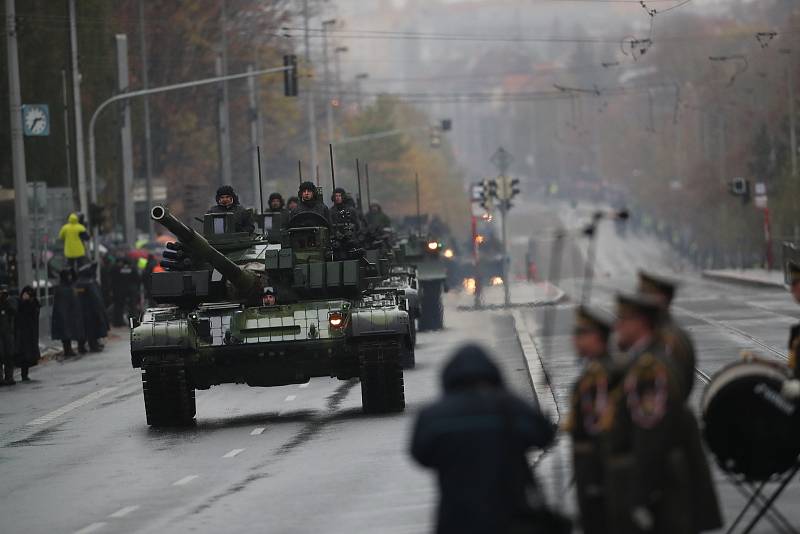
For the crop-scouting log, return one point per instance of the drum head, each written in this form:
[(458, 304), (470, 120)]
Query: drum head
[(751, 429)]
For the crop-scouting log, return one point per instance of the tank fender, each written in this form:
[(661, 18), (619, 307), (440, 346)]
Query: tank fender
[(170, 335), (379, 321)]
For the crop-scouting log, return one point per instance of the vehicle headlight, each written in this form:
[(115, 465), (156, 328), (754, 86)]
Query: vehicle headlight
[(433, 245), (336, 320)]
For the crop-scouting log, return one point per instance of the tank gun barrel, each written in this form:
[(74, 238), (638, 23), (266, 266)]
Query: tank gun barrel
[(244, 281)]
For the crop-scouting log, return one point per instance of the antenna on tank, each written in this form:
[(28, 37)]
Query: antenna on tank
[(366, 175), (300, 171), (260, 181), (358, 179), (317, 175), (419, 217), (333, 172)]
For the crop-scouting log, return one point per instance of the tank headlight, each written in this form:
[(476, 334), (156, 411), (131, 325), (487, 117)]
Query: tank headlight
[(449, 253), (336, 320), (433, 245), (496, 281)]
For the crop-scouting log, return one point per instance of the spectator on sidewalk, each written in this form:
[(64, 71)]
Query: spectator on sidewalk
[(73, 234), (95, 320), (8, 314), (125, 291), (67, 321), (475, 438), (27, 331)]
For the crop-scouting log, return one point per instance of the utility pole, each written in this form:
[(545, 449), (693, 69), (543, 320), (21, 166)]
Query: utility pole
[(224, 129), (80, 162), (148, 143), (24, 264), (338, 51), (328, 92), (792, 129), (312, 118), (65, 101), (251, 89), (128, 208), (224, 114), (359, 78)]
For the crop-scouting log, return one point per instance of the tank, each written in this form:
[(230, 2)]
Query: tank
[(213, 325), (424, 255)]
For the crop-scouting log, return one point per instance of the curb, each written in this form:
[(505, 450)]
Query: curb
[(542, 392), (743, 280)]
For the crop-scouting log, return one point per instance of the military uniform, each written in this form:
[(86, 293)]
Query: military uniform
[(589, 406), (242, 218), (794, 333), (315, 205), (658, 479), (677, 342)]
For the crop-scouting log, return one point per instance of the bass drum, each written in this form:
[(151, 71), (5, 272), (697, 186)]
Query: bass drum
[(751, 429)]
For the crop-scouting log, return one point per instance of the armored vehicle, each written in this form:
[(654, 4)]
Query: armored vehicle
[(424, 255), (240, 308)]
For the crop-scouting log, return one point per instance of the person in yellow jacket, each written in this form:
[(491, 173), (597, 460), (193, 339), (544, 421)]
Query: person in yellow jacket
[(73, 233)]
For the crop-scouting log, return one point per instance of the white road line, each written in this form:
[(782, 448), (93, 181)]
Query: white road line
[(258, 431), (94, 527), (83, 401), (231, 454), (122, 512), (304, 386), (185, 480), (290, 398)]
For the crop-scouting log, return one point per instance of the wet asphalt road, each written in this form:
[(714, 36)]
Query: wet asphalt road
[(77, 456)]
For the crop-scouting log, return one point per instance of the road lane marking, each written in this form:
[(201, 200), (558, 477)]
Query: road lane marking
[(290, 398), (303, 386), (94, 527), (258, 431), (231, 454), (122, 512), (185, 480), (83, 401)]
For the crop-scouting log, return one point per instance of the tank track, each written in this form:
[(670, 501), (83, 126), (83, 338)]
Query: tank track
[(168, 396), (381, 373)]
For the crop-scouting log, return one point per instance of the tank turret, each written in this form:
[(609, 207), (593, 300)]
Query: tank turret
[(246, 282)]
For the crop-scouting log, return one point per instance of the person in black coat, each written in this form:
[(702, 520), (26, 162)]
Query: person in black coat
[(475, 438), (310, 201), (228, 202), (67, 321), (27, 331), (8, 315), (95, 320)]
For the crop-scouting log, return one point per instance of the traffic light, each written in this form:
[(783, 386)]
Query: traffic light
[(436, 137), (290, 76), (739, 186), (492, 188), (447, 125), (513, 188)]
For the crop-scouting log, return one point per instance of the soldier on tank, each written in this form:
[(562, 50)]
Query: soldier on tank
[(292, 204), (589, 405), (310, 201), (228, 202), (275, 202), (376, 218), (657, 478), (678, 342)]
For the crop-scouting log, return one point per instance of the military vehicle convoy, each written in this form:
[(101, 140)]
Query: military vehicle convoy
[(430, 270), (211, 325)]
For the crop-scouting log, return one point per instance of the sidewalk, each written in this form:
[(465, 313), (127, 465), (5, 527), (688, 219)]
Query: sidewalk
[(748, 277)]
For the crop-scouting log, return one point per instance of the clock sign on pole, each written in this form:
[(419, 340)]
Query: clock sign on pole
[(35, 120)]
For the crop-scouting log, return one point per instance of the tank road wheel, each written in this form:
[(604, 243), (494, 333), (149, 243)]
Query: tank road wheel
[(432, 314), (382, 389), (168, 396)]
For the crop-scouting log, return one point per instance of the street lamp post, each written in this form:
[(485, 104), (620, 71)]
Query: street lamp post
[(328, 108), (359, 77), (144, 92)]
